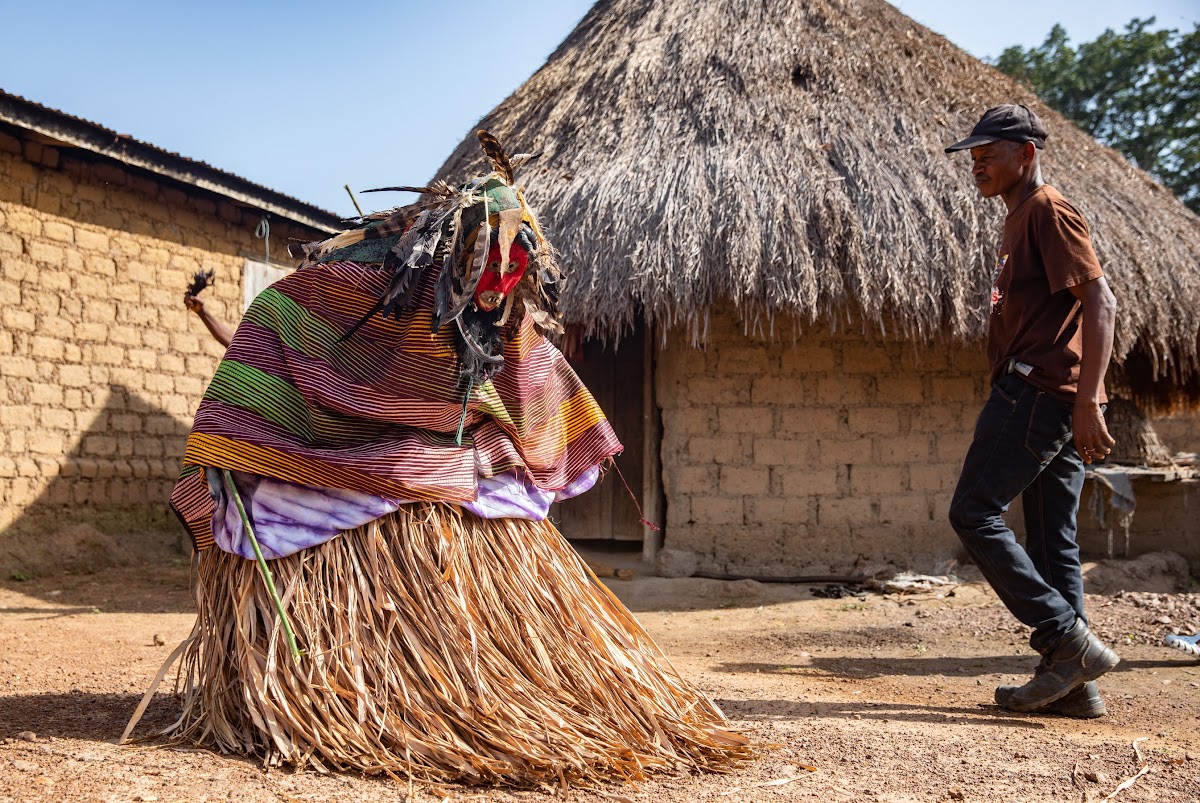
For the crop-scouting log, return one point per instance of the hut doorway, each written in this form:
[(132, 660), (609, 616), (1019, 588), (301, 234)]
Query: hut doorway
[(621, 380)]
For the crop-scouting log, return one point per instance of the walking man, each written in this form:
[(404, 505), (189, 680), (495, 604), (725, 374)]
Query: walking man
[(1050, 335)]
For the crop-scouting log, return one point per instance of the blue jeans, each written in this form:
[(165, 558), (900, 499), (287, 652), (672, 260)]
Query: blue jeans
[(1024, 445)]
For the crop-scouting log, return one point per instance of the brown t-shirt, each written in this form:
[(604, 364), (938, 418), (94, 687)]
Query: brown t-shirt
[(1035, 319)]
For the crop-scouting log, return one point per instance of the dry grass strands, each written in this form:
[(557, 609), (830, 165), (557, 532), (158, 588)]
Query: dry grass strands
[(441, 647), (1137, 444)]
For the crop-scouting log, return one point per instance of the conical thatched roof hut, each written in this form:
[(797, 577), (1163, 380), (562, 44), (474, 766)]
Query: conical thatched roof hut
[(780, 163)]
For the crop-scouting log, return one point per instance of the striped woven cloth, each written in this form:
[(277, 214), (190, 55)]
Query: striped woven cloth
[(378, 413)]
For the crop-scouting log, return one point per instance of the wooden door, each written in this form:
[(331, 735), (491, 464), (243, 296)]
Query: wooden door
[(616, 377)]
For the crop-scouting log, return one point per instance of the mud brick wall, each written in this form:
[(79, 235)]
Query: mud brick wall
[(784, 458), (1164, 520), (101, 367), (1179, 433)]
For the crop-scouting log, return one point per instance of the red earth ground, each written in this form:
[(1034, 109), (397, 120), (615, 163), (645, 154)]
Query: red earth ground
[(883, 698)]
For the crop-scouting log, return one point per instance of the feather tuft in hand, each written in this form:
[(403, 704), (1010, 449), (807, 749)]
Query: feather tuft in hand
[(200, 280)]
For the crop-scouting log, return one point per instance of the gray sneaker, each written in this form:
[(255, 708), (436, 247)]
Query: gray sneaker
[(1082, 703), (1077, 658)]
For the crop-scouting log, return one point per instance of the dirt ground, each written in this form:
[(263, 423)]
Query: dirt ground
[(880, 698)]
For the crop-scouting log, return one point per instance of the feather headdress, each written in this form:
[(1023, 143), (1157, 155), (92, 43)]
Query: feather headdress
[(452, 230)]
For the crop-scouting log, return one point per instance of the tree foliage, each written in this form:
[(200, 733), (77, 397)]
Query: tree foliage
[(1137, 91)]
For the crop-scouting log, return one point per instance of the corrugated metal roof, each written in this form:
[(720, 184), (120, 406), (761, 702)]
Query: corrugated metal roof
[(79, 133)]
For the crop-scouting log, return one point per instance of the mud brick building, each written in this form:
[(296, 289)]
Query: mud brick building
[(780, 280), (787, 279), (824, 450), (101, 366)]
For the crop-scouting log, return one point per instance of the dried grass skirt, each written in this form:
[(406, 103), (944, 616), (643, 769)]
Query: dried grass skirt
[(442, 647)]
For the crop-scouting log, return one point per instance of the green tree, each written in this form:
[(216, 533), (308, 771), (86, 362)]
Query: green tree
[(1137, 91)]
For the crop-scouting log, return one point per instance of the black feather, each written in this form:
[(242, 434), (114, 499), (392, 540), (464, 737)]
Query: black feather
[(479, 345), (362, 321), (444, 289), (421, 190), (200, 280)]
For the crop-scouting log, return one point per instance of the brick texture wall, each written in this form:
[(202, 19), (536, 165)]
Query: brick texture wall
[(101, 367), (1164, 521), (1179, 433), (784, 458)]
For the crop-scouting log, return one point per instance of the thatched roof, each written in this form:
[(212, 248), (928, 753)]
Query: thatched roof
[(787, 156)]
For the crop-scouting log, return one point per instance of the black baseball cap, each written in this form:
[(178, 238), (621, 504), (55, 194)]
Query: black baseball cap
[(1013, 122)]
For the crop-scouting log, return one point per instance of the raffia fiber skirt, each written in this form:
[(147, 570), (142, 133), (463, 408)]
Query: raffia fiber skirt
[(439, 646)]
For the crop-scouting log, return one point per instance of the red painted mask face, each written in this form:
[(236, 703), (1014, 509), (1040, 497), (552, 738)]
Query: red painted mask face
[(499, 280)]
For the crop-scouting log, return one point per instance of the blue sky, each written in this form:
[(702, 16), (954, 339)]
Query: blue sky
[(260, 88)]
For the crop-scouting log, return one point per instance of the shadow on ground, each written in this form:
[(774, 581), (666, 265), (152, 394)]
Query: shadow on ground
[(107, 506), (82, 715), (151, 588), (858, 668), (770, 710)]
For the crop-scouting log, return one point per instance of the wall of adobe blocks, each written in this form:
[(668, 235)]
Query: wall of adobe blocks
[(101, 366), (1179, 433), (786, 458), (1163, 521)]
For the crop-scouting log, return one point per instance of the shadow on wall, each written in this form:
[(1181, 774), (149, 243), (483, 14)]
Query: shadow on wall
[(107, 505)]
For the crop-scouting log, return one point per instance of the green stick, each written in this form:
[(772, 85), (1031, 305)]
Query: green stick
[(262, 565), (463, 418)]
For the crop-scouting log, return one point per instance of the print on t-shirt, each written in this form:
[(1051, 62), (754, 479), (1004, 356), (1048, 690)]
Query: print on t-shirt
[(997, 293)]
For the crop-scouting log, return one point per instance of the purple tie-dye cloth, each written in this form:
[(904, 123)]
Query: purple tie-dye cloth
[(288, 517)]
